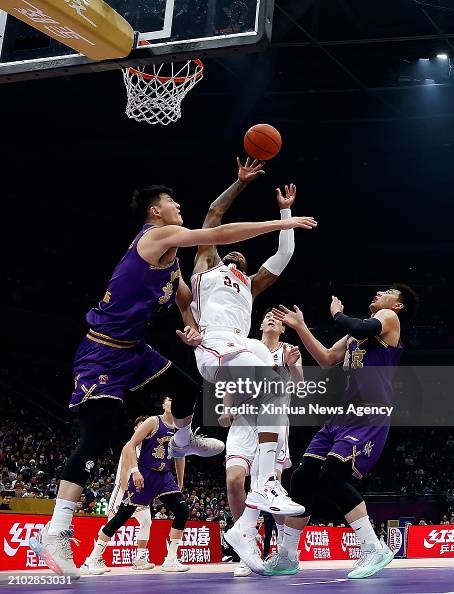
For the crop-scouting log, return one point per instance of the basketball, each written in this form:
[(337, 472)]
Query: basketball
[(262, 142)]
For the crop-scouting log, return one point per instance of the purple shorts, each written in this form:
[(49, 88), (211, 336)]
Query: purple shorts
[(155, 484), (360, 445), (107, 368)]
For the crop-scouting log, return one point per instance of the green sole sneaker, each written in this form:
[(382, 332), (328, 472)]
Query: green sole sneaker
[(369, 570)]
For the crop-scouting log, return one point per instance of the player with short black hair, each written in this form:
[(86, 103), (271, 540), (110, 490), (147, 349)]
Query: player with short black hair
[(342, 449), (114, 357)]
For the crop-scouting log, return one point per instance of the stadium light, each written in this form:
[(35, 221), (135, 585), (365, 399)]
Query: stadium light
[(442, 56)]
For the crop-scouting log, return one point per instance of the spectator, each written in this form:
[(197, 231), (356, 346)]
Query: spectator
[(51, 489), (161, 515), (7, 496)]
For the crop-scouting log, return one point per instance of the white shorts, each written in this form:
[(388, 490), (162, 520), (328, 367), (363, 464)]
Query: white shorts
[(242, 443), (142, 513), (228, 349)]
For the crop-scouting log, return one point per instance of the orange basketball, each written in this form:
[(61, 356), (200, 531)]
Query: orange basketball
[(262, 142)]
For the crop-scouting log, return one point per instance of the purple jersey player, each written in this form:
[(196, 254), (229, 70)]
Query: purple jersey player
[(340, 450), (146, 478), (114, 358)]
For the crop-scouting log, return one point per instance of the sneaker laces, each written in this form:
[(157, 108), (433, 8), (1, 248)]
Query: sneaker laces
[(363, 560), (272, 559), (197, 435), (65, 538)]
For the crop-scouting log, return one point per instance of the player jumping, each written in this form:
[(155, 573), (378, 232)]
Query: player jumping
[(114, 356), (222, 306)]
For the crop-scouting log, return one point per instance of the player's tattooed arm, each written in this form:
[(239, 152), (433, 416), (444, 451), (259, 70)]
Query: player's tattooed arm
[(207, 255), (261, 281)]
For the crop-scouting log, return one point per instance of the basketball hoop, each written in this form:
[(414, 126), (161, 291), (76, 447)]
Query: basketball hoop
[(155, 97)]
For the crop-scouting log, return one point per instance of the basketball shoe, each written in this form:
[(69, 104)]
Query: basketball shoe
[(273, 498), (372, 560), (198, 445), (93, 566), (244, 543), (56, 550), (242, 570), (280, 563), (173, 565)]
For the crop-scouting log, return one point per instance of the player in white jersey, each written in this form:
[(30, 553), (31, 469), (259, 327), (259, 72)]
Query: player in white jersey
[(242, 439), (222, 305)]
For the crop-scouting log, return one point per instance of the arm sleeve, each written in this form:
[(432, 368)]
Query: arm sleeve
[(357, 327), (277, 263)]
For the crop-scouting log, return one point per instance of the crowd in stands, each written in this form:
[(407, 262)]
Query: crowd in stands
[(34, 449)]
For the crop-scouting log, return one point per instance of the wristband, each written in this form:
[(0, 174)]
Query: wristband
[(134, 469)]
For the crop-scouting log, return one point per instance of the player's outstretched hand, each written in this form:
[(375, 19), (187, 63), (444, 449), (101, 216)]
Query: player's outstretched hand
[(295, 222), (290, 318), (289, 198), (249, 171), (291, 355), (190, 336), (138, 481), (336, 306)]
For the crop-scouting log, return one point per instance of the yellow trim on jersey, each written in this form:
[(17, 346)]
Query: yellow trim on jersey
[(111, 344), (169, 363), (314, 456), (111, 338)]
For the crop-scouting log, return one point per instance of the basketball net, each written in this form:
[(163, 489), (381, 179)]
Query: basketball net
[(155, 96)]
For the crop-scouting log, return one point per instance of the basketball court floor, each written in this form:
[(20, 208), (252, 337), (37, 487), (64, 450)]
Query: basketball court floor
[(402, 577)]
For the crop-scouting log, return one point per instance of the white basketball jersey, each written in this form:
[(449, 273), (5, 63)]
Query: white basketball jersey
[(222, 298), (278, 355)]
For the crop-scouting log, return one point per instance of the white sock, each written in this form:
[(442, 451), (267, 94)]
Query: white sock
[(267, 461), (62, 516), (365, 532), (98, 549), (182, 436), (280, 533), (141, 552), (173, 548), (248, 519), (291, 540)]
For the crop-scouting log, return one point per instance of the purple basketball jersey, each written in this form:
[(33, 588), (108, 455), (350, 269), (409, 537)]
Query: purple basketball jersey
[(154, 465), (154, 451), (134, 295), (114, 358), (370, 364)]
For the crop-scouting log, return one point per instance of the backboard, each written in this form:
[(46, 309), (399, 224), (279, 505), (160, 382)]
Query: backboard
[(176, 29)]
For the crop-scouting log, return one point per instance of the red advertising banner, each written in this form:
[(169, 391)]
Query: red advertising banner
[(318, 543), (430, 541), (200, 542)]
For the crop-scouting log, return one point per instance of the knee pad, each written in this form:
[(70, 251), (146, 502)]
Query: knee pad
[(181, 513), (144, 519), (79, 465), (334, 482), (304, 483)]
